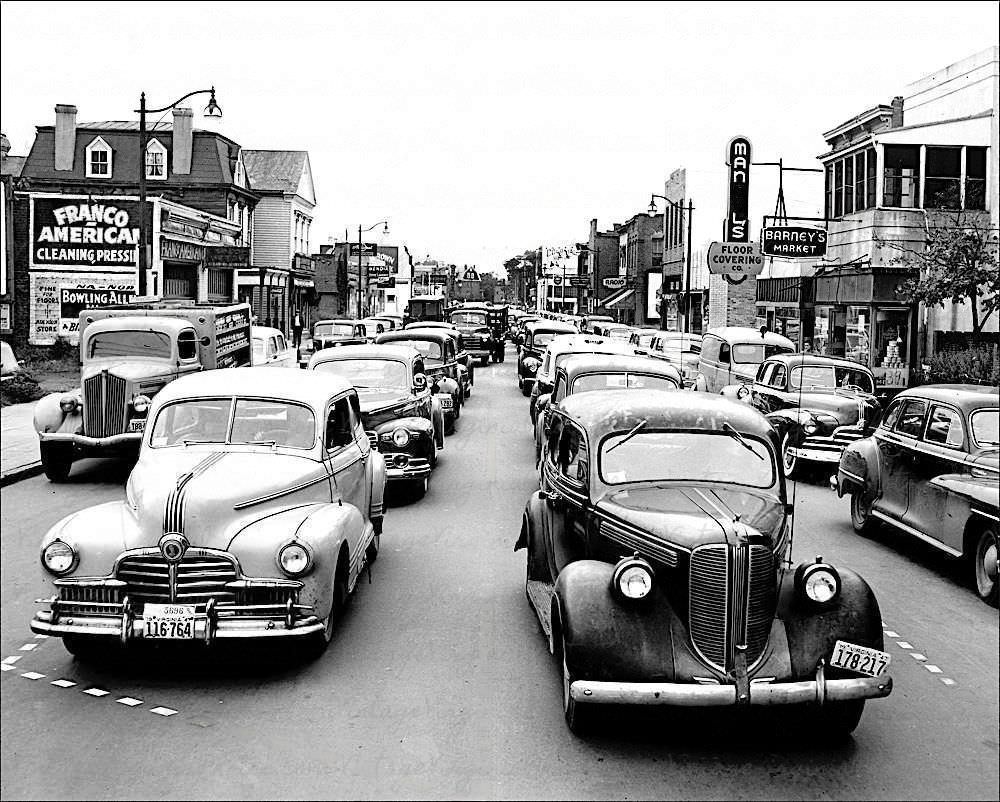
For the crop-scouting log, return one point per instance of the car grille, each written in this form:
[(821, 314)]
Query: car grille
[(104, 405), (841, 438), (89, 599), (373, 440), (473, 341), (732, 594), (201, 575)]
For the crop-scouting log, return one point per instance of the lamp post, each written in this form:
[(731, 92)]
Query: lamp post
[(361, 254), (211, 110), (687, 260)]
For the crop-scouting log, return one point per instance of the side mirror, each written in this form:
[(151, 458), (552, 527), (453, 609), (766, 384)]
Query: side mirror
[(419, 383)]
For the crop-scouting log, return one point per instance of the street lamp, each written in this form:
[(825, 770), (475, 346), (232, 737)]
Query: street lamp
[(361, 255), (211, 110), (687, 266)]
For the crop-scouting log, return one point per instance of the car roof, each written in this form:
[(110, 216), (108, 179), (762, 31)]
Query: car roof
[(547, 324), (589, 344), (265, 331), (398, 353), (580, 364), (432, 335), (139, 323), (336, 320), (605, 411), (964, 396), (795, 360), (747, 334), (306, 386)]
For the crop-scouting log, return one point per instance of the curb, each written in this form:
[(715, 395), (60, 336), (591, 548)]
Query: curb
[(21, 472)]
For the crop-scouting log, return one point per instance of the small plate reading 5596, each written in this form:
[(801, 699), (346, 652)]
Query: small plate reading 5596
[(168, 620), (861, 659)]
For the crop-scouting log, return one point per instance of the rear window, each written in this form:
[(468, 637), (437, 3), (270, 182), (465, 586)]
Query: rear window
[(985, 424)]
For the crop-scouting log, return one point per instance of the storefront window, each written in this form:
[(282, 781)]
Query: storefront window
[(902, 176), (892, 347), (858, 334), (830, 332)]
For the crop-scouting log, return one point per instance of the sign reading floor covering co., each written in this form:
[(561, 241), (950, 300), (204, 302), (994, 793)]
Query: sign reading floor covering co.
[(793, 241), (735, 259), (84, 232)]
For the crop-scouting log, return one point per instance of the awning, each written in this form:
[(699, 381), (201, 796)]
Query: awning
[(617, 298)]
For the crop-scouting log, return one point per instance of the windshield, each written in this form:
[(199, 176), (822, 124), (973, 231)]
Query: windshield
[(645, 339), (985, 423), (469, 318), (259, 351), (827, 377), (428, 350), (755, 353), (154, 344), (240, 420), (369, 373), (334, 329), (685, 456), (543, 338), (618, 381)]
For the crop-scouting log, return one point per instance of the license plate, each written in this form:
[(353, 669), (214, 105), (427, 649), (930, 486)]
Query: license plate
[(446, 402), (861, 659), (137, 424), (166, 621)]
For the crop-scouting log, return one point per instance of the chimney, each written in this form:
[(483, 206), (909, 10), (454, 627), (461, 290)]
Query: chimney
[(182, 141), (897, 112), (65, 136)]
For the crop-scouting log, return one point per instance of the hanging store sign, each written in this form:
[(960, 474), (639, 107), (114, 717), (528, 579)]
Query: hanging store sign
[(735, 259), (738, 153), (367, 248), (614, 283), (793, 242), (92, 233), (227, 256)]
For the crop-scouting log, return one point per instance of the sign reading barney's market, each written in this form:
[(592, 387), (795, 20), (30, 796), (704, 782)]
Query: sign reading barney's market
[(86, 233)]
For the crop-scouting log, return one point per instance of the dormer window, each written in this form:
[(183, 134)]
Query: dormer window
[(99, 159), (156, 161)]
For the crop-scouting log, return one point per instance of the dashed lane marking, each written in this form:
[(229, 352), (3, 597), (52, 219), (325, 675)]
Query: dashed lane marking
[(933, 669), (12, 659), (40, 636), (920, 658), (6, 667), (163, 711), (947, 681), (890, 634), (28, 647), (128, 701), (63, 683), (32, 675), (98, 692), (902, 644)]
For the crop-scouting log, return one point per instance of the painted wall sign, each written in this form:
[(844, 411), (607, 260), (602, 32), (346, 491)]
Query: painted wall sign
[(55, 295), (184, 251), (74, 299), (94, 233), (793, 241), (735, 259), (738, 155)]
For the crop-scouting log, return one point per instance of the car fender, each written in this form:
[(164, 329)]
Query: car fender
[(437, 415), (789, 421), (700, 383), (860, 467), (609, 638), (531, 521), (413, 423), (49, 417), (98, 535), (448, 385), (812, 631), (731, 391), (376, 504), (324, 528)]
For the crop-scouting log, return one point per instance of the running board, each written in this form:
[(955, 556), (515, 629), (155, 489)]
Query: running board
[(540, 598), (916, 533)]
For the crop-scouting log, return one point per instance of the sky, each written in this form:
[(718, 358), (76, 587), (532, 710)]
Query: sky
[(480, 130)]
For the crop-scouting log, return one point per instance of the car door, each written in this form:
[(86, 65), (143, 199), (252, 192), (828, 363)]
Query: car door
[(941, 450), (761, 387), (346, 447), (896, 448)]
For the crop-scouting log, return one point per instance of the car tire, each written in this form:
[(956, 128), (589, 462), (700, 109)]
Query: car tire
[(449, 424), (579, 715), (861, 513), (835, 721), (418, 488), (525, 389), (790, 465), (371, 553), (57, 461), (85, 649), (520, 382), (984, 565)]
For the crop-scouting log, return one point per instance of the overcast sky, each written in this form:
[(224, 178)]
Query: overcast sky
[(481, 130)]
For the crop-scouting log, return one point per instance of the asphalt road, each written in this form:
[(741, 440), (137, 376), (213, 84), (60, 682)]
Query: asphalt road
[(439, 683)]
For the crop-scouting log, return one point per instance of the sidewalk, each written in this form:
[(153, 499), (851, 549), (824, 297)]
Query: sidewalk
[(18, 444)]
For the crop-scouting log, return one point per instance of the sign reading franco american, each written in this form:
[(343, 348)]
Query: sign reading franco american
[(95, 233), (735, 259), (614, 282), (793, 241)]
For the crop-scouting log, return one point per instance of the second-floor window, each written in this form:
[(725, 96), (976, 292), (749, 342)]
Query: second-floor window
[(98, 159), (156, 161), (850, 183), (901, 179)]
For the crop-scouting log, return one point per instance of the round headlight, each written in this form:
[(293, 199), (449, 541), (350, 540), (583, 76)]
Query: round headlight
[(633, 578), (400, 437), (141, 404), (294, 559), (68, 403), (59, 558), (810, 427), (820, 583), (531, 364)]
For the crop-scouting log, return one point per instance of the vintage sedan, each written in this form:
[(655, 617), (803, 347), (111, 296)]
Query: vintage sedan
[(255, 505), (584, 373), (818, 404), (931, 470), (331, 334), (439, 350), (535, 339), (658, 566), (732, 354), (401, 416), (270, 349)]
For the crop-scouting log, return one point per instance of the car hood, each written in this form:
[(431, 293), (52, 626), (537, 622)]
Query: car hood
[(131, 369), (208, 494), (379, 404), (689, 516), (845, 406)]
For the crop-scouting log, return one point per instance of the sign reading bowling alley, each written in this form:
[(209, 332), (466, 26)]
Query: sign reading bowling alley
[(738, 153), (85, 232)]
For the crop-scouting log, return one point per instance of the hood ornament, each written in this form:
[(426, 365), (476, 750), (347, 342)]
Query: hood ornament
[(172, 546)]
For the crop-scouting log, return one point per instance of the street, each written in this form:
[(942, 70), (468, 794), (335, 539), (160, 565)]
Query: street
[(439, 684)]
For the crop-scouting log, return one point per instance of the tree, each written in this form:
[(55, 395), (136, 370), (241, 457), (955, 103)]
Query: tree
[(958, 263)]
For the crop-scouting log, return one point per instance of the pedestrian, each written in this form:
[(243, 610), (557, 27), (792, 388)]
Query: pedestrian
[(297, 328)]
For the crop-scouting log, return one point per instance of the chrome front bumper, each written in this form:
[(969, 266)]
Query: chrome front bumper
[(816, 691), (126, 438), (415, 468), (815, 454)]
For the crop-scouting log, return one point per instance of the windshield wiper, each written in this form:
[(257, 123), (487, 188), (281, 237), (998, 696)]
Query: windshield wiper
[(199, 442), (728, 429), (629, 436)]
